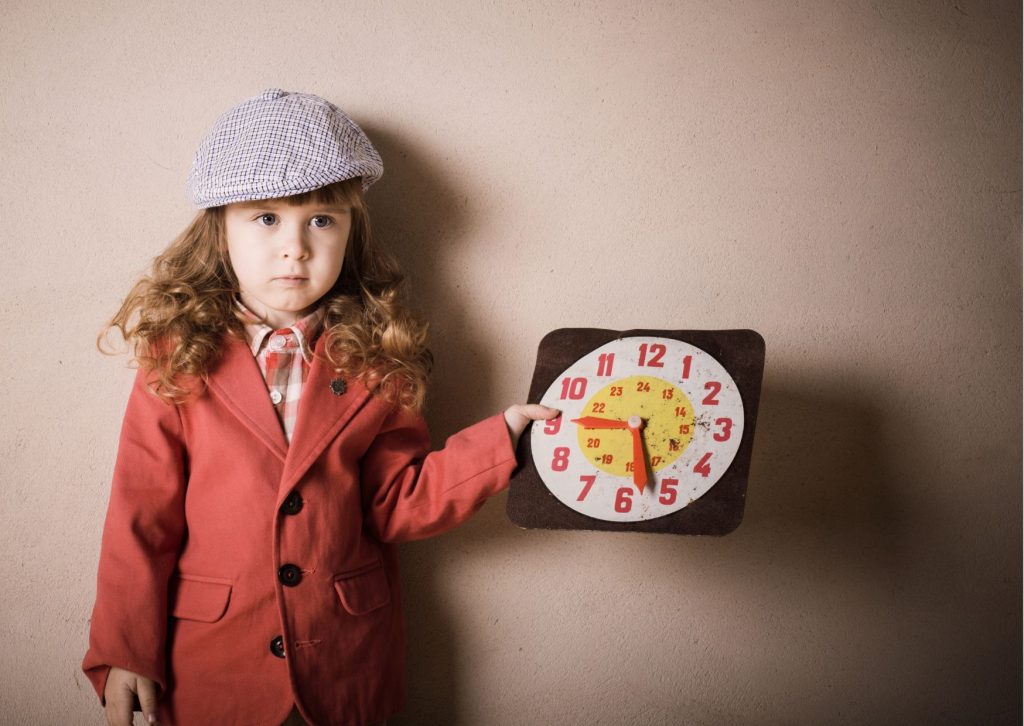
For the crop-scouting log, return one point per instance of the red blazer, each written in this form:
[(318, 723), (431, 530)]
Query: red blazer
[(243, 574)]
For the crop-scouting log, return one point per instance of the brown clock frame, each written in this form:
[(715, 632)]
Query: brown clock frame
[(719, 510)]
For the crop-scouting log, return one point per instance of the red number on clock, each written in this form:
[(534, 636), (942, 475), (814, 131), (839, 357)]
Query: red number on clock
[(588, 481), (552, 425), (624, 500), (560, 461), (657, 351), (714, 387), (702, 467), (573, 388), (687, 360), (668, 491), (726, 424), (604, 364)]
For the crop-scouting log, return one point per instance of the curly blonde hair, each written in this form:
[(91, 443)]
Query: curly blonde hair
[(174, 319)]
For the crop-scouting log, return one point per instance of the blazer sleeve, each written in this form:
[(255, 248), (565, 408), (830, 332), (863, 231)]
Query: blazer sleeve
[(141, 540), (411, 492)]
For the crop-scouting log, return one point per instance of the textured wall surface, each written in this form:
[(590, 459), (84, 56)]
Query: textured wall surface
[(843, 177)]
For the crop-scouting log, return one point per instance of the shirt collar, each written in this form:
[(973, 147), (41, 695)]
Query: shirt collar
[(306, 329)]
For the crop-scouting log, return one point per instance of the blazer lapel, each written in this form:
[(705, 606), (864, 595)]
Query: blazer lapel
[(328, 402), (237, 381)]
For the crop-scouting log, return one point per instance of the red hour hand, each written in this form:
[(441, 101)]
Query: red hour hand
[(595, 422)]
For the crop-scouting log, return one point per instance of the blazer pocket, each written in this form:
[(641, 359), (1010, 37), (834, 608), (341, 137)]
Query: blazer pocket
[(194, 597), (363, 590)]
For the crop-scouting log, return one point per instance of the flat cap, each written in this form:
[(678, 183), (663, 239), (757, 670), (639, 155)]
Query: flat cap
[(277, 144)]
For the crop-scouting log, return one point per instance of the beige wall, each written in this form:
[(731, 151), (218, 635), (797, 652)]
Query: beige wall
[(843, 177)]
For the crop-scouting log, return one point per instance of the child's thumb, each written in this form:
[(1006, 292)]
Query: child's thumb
[(537, 411), (147, 699)]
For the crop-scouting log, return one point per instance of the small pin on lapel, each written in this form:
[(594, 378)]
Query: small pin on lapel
[(338, 386)]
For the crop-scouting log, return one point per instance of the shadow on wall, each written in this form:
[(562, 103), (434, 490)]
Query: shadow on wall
[(834, 587), (426, 221)]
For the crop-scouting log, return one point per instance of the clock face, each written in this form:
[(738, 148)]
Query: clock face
[(648, 425)]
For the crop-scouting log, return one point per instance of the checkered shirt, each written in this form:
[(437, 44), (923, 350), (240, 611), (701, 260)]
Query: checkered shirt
[(275, 351)]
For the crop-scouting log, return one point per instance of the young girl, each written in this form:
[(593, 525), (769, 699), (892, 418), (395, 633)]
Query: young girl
[(272, 453)]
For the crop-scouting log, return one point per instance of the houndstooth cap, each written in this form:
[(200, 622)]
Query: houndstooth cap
[(277, 144)]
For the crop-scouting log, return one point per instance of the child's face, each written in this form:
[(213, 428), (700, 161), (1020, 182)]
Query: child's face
[(285, 258)]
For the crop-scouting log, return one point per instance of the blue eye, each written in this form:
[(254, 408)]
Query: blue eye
[(262, 219)]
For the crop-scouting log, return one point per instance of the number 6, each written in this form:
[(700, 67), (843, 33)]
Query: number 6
[(624, 500)]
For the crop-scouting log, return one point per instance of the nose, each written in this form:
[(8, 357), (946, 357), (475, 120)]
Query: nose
[(294, 245)]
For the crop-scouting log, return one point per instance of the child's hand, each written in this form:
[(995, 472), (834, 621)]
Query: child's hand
[(519, 416), (122, 686)]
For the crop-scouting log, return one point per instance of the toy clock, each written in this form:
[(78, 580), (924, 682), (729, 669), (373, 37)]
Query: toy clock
[(655, 433)]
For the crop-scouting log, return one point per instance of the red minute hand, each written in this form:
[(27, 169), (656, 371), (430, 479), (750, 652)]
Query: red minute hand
[(639, 463), (594, 422)]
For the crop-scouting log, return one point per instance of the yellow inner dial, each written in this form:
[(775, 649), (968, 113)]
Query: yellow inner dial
[(667, 431)]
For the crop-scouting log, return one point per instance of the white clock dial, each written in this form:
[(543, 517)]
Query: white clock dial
[(689, 419)]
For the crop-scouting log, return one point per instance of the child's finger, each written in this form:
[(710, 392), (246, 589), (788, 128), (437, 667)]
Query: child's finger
[(536, 411), (118, 709), (518, 417), (147, 699)]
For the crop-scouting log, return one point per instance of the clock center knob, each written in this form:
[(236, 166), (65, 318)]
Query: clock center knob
[(635, 422)]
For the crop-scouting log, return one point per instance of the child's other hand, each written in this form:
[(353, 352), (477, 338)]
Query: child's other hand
[(122, 686), (519, 416)]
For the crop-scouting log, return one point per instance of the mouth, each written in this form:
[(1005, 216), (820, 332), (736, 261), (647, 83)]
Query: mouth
[(290, 279)]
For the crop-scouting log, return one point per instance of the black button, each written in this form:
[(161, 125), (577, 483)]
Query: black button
[(292, 503), (338, 386), (289, 575), (277, 646)]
